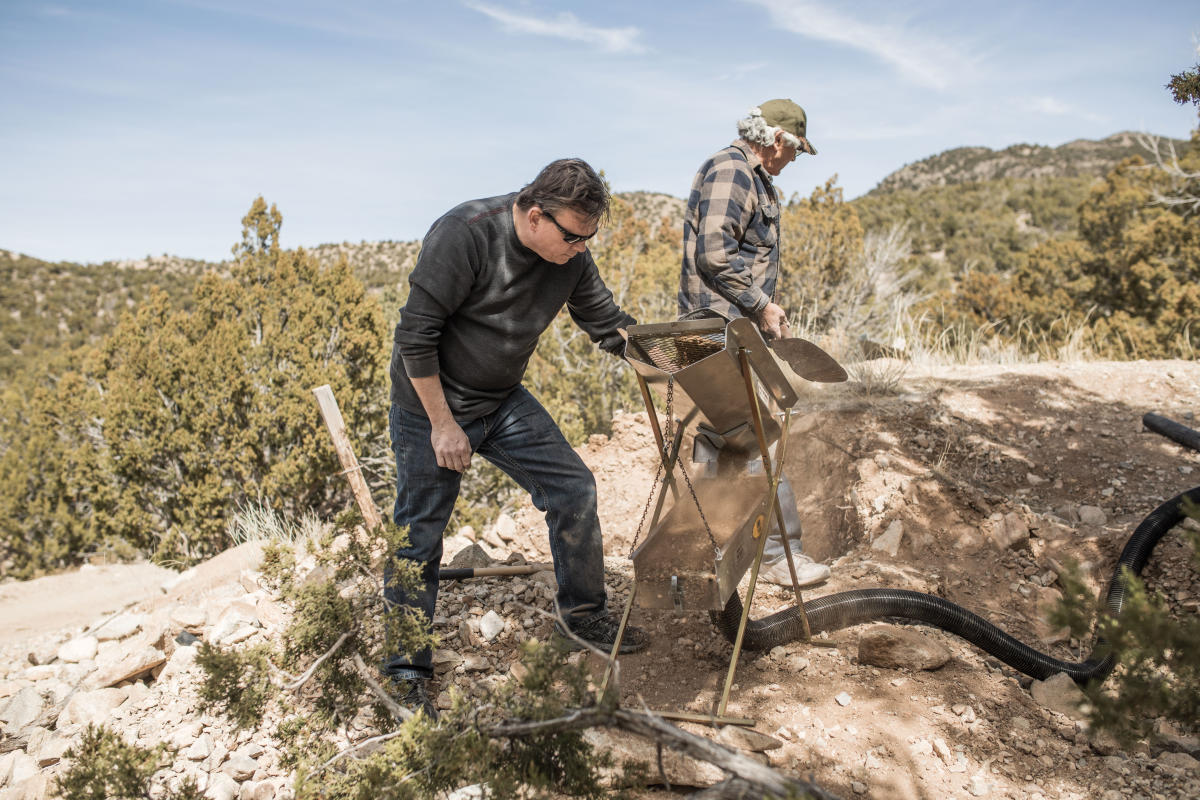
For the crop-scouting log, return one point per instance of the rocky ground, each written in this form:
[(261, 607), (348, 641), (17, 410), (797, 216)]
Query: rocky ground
[(974, 484)]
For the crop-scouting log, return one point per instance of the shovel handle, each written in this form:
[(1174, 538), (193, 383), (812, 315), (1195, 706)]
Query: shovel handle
[(457, 574)]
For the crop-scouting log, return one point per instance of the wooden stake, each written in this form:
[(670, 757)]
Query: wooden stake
[(350, 466)]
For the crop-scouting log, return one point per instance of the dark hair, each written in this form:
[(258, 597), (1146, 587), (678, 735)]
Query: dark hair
[(567, 183)]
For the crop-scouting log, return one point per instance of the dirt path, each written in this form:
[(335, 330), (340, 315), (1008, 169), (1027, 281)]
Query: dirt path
[(46, 605)]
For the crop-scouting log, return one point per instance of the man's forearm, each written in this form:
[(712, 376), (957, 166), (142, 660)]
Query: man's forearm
[(433, 399), (718, 274), (450, 444)]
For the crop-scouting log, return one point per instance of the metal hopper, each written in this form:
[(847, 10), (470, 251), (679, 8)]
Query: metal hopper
[(728, 399), (697, 550)]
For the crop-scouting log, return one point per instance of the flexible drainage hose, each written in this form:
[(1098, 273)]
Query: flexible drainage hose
[(844, 609), (1172, 430)]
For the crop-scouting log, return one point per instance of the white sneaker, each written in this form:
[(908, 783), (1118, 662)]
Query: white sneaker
[(808, 572)]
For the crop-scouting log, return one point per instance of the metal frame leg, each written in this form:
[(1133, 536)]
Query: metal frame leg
[(616, 649), (761, 526)]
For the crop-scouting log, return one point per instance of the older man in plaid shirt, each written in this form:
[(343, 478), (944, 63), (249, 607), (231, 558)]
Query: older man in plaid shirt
[(731, 261)]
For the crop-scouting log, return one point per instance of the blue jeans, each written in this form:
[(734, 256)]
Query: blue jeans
[(523, 440)]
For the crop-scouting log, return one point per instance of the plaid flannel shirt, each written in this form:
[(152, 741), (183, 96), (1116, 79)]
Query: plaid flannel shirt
[(730, 236)]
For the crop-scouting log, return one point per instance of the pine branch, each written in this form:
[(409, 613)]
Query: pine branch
[(394, 708), (303, 679)]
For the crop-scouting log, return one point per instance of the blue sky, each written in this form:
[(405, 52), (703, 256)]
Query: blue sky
[(134, 128)]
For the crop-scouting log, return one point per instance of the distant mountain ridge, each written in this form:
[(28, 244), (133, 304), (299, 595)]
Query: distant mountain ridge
[(52, 305), (1079, 158)]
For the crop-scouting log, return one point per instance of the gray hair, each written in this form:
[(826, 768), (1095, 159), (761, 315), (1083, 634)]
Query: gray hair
[(755, 130)]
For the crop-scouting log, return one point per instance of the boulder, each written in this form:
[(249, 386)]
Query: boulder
[(1059, 693), (80, 649), (133, 664), (190, 618), (120, 627), (91, 707), (889, 540), (491, 626), (1010, 531), (747, 739), (21, 710), (222, 787), (470, 557), (898, 648)]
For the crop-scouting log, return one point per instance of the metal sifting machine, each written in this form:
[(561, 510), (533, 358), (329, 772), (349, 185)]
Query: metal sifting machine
[(729, 397)]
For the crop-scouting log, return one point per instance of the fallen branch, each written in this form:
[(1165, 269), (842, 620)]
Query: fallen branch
[(303, 679), (757, 777), (395, 709)]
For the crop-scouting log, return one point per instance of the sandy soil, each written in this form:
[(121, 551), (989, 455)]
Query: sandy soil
[(44, 605), (949, 454)]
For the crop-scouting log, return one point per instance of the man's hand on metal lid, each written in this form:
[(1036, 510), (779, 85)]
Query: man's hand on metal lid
[(772, 321), (451, 446)]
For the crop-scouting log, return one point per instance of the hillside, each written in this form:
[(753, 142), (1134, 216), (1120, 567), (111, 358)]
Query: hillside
[(975, 484), (966, 208), (1079, 158), (51, 307)]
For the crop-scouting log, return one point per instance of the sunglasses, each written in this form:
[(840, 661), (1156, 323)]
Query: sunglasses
[(568, 237)]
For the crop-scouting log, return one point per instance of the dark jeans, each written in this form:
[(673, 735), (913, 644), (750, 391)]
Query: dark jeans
[(522, 439)]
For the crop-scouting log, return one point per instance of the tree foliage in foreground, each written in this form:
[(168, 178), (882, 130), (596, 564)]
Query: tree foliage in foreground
[(103, 766), (341, 630), (1157, 674)]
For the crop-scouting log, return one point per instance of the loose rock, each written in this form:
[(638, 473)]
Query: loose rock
[(897, 648)]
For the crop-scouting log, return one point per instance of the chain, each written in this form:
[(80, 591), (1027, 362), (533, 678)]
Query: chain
[(668, 438), (711, 539), (637, 536)]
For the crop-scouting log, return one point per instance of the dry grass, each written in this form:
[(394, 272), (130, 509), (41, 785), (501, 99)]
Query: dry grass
[(257, 522)]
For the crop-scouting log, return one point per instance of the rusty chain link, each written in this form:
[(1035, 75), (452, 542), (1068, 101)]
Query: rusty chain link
[(665, 456)]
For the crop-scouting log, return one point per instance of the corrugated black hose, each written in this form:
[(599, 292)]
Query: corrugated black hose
[(844, 609), (1172, 430)]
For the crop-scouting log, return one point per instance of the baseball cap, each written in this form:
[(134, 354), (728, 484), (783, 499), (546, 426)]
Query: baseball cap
[(790, 117)]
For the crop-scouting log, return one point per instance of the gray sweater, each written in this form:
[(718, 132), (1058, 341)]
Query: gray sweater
[(479, 300)]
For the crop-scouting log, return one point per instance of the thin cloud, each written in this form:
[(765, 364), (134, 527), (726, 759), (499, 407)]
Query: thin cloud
[(741, 71), (1049, 105), (565, 26), (922, 59), (1052, 106)]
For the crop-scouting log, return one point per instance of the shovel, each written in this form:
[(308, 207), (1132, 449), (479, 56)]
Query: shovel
[(808, 361)]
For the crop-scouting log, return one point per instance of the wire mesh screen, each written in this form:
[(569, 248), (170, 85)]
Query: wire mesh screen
[(671, 352)]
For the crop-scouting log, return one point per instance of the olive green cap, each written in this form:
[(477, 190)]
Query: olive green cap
[(790, 117)]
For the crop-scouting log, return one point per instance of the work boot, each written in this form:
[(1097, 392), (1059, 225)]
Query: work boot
[(413, 694), (808, 572), (600, 631)]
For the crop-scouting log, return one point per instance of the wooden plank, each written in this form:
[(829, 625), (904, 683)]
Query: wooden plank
[(350, 466)]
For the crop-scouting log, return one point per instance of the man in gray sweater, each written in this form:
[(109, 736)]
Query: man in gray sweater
[(491, 277)]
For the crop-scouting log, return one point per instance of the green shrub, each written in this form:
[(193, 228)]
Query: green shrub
[(1157, 674), (103, 766)]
